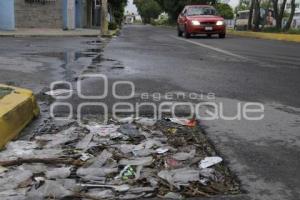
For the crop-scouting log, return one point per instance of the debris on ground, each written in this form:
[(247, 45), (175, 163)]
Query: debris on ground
[(59, 92), (184, 122), (128, 159), (209, 161)]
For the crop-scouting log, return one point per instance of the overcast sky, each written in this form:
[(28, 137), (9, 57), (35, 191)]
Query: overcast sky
[(132, 8)]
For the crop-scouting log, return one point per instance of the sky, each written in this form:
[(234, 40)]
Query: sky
[(132, 8)]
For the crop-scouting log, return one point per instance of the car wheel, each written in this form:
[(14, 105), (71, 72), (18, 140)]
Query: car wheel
[(222, 35), (179, 32), (186, 33)]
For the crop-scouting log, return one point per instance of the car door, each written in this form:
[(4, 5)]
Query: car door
[(182, 19)]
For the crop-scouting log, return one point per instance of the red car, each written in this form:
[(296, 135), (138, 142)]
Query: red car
[(200, 19)]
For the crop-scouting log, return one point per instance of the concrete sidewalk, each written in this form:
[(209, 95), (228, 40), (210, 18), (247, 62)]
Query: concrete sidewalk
[(44, 32)]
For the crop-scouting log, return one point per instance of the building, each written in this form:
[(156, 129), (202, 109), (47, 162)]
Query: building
[(129, 18), (296, 19), (288, 6), (65, 14)]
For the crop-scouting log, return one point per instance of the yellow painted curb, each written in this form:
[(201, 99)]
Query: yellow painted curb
[(17, 109), (269, 36)]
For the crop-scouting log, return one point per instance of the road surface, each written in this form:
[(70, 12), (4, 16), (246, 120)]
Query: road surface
[(264, 154)]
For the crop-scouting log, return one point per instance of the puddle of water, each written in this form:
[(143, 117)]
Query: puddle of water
[(117, 67), (100, 58), (59, 55), (94, 50), (94, 42)]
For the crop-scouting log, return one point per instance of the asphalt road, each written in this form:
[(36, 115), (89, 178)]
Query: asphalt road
[(239, 68), (263, 154)]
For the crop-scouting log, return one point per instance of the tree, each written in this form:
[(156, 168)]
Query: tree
[(243, 5), (117, 8), (251, 10), (104, 23), (174, 7), (225, 10), (266, 5), (148, 9), (289, 22), (256, 20), (279, 12)]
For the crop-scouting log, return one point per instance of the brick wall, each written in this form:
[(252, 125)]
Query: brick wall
[(39, 15)]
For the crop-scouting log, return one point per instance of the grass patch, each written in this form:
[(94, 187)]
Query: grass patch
[(274, 30), (283, 36)]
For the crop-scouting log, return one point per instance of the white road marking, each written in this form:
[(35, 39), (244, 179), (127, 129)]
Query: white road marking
[(211, 47)]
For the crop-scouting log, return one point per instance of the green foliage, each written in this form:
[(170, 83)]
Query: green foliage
[(266, 5), (117, 8), (276, 30), (224, 10), (160, 22), (174, 7), (112, 26), (243, 5), (148, 9), (294, 31)]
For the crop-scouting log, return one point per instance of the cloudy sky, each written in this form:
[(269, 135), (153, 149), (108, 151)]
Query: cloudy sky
[(132, 9)]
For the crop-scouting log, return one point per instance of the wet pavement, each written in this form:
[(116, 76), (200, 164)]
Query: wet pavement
[(36, 62), (263, 154)]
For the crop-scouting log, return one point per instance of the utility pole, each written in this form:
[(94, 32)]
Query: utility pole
[(104, 14)]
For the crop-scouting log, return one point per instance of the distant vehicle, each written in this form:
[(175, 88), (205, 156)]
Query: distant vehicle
[(129, 19), (241, 22), (200, 19), (266, 19)]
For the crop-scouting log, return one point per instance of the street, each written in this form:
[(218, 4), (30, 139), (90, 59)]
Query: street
[(259, 70), (264, 154)]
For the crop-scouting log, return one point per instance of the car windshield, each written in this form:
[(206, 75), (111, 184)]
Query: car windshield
[(201, 11)]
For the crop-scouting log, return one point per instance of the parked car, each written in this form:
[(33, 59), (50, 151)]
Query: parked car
[(241, 22), (200, 19)]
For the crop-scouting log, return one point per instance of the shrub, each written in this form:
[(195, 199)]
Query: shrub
[(112, 26), (275, 30)]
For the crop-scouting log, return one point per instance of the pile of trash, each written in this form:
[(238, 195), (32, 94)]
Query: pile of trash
[(129, 159)]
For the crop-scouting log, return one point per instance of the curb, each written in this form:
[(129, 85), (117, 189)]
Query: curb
[(268, 36), (48, 35), (17, 109), (111, 33)]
